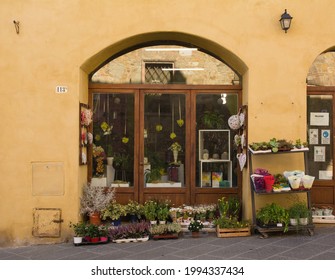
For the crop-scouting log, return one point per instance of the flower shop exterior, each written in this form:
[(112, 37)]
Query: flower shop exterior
[(49, 80)]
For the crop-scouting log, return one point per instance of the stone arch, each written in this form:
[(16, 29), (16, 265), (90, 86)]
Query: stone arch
[(321, 72), (147, 39)]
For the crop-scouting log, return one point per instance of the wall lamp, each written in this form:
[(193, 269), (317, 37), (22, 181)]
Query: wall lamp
[(285, 21)]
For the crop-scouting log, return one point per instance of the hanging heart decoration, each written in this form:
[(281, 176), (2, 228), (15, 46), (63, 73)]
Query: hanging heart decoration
[(242, 159)]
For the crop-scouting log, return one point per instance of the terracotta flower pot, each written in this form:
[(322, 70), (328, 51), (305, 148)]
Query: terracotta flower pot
[(95, 218), (195, 234)]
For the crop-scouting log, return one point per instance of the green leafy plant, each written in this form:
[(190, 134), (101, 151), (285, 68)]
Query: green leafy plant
[(150, 210), (212, 119), (134, 208), (232, 222), (92, 230), (79, 228), (163, 211), (273, 143), (273, 214), (229, 206), (114, 211)]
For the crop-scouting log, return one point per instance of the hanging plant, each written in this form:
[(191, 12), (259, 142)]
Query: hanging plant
[(159, 127), (180, 121), (106, 128), (125, 139), (172, 134)]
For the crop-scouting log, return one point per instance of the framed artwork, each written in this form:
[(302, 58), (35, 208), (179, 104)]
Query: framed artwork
[(217, 177)]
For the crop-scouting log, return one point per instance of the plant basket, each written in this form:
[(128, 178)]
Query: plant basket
[(233, 232)]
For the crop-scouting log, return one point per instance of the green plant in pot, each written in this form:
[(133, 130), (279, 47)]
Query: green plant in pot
[(273, 214), (195, 226), (300, 212), (134, 209), (150, 210), (211, 119), (294, 213), (79, 230), (93, 232), (230, 222), (163, 212), (114, 212)]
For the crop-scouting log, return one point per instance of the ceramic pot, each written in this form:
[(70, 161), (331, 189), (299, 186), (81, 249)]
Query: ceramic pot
[(303, 221), (293, 222), (77, 239)]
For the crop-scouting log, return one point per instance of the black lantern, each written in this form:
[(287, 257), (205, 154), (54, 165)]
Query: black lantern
[(285, 21)]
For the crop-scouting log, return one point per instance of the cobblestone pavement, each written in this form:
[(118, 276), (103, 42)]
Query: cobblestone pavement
[(289, 246)]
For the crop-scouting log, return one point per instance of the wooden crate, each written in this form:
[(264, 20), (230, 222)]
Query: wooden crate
[(233, 232)]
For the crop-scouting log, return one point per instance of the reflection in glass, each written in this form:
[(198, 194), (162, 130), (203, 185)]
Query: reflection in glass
[(320, 155), (164, 140), (113, 138), (216, 159)]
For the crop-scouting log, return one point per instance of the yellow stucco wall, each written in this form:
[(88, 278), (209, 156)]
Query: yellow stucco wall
[(61, 42)]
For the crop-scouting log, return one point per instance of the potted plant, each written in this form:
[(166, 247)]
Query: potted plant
[(294, 213), (95, 199), (92, 231), (163, 212), (135, 210), (103, 233), (175, 148), (229, 207), (231, 227), (150, 211), (79, 230), (273, 215), (195, 227), (130, 232), (211, 119), (114, 211), (305, 213), (165, 231)]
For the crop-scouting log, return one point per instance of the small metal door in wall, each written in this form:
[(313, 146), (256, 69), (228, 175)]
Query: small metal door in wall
[(47, 222)]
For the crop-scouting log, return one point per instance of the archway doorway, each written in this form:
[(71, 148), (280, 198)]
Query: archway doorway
[(320, 124), (179, 101)]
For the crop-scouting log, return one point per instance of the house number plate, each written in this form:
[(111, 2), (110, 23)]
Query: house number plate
[(61, 89)]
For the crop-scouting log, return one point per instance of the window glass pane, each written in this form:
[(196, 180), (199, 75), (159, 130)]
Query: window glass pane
[(320, 123), (216, 157), (113, 139), (164, 140)]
